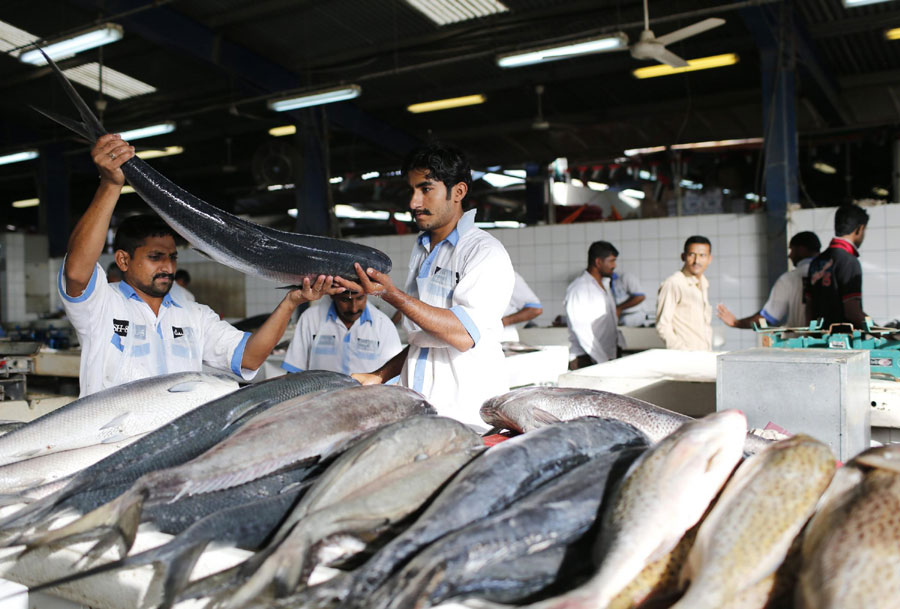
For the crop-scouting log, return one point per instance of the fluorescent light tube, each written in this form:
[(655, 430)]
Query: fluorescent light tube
[(701, 63), (315, 98), (67, 47), (157, 153), (444, 104), (443, 12), (18, 157), (148, 131), (852, 3), (892, 34), (611, 42), (824, 167), (283, 130), (26, 203), (651, 150), (598, 186), (718, 143), (370, 175), (498, 180)]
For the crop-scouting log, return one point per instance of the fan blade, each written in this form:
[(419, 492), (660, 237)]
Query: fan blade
[(667, 57), (691, 30)]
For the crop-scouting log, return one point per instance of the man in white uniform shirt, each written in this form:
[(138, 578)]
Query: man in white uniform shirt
[(629, 296), (591, 310), (460, 282), (522, 308), (134, 328), (346, 336), (785, 306)]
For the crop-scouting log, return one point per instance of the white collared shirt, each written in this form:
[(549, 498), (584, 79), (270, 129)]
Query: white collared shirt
[(523, 297), (322, 341), (785, 304), (122, 339), (591, 318), (623, 287), (469, 273)]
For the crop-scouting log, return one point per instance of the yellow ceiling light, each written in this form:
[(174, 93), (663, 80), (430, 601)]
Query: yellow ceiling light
[(444, 104), (283, 130), (160, 152), (128, 189), (702, 63), (892, 34), (26, 203)]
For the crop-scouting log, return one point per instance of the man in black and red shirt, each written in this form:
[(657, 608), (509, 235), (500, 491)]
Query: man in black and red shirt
[(834, 281)]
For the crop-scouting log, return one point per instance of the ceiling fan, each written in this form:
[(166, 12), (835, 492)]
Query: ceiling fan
[(651, 47)]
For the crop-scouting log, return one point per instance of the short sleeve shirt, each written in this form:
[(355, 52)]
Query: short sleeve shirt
[(322, 341), (522, 297), (834, 277), (624, 286), (591, 317), (122, 340), (785, 304)]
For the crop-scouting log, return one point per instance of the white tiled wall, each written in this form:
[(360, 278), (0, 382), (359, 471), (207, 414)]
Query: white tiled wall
[(12, 278), (879, 254)]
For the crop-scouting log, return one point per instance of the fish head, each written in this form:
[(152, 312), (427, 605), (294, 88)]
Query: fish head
[(882, 457)]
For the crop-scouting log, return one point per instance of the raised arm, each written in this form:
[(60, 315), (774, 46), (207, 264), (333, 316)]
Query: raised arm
[(89, 236)]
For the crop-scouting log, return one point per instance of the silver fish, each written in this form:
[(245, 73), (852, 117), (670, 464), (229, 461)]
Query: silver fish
[(223, 237), (114, 414)]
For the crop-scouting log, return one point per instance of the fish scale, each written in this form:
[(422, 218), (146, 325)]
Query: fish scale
[(762, 509), (852, 546)]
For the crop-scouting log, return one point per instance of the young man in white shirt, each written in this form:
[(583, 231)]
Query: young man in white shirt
[(785, 306), (591, 310), (345, 336), (460, 282), (135, 329)]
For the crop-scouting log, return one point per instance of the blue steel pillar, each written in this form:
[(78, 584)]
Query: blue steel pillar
[(535, 187), (311, 180), (53, 191)]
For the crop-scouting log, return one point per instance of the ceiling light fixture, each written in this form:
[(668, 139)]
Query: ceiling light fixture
[(115, 84), (157, 153), (589, 46), (444, 104), (718, 143), (701, 63), (148, 131), (18, 157), (283, 130), (370, 175), (69, 46), (598, 186), (499, 180), (315, 98), (824, 167), (13, 38), (651, 150), (443, 12), (26, 203), (878, 191), (853, 3), (892, 34)]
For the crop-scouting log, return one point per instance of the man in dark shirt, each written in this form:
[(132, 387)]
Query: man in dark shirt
[(834, 282)]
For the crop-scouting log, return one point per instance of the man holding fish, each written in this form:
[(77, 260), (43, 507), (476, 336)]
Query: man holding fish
[(135, 329), (459, 284)]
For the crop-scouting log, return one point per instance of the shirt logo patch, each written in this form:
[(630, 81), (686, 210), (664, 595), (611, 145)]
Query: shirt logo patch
[(140, 332), (120, 326), (177, 332), (367, 345)]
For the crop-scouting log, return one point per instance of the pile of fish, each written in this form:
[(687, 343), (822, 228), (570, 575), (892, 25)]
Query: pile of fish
[(352, 497)]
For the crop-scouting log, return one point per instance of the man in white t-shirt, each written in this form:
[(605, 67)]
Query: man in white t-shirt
[(591, 310), (785, 306), (523, 307), (345, 336), (135, 328), (460, 282)]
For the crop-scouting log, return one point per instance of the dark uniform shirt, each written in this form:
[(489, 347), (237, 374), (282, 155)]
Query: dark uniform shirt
[(835, 276)]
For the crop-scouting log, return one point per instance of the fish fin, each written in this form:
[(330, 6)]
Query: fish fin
[(241, 415), (185, 386), (27, 454), (91, 127), (545, 418), (116, 421), (204, 254), (12, 499), (176, 573), (289, 287), (116, 438)]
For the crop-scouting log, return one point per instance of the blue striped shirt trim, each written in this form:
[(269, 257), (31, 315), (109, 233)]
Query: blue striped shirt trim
[(87, 291), (239, 355), (291, 368), (533, 305), (419, 375), (467, 322), (769, 318)]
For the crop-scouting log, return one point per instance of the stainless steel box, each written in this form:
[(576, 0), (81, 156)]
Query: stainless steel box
[(820, 392)]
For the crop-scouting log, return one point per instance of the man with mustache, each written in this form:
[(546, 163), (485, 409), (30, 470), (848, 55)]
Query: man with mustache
[(135, 329), (459, 284), (683, 312)]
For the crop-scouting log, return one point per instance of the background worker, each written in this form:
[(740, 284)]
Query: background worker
[(180, 287), (785, 306), (523, 307), (135, 329), (834, 279), (460, 282), (346, 336), (629, 297), (683, 312), (591, 310)]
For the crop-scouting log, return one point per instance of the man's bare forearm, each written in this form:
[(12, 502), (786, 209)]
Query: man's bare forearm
[(440, 323), (392, 367), (526, 314), (88, 238)]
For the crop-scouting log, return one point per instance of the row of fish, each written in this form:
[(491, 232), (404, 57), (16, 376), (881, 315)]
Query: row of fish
[(601, 501)]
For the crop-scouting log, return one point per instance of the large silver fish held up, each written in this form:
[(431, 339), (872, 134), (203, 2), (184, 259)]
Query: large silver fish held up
[(244, 246)]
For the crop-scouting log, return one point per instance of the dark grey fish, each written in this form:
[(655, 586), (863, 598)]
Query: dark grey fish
[(177, 442), (482, 559), (300, 430), (223, 237), (502, 475)]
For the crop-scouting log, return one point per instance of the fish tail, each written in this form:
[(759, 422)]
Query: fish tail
[(113, 522), (90, 126)]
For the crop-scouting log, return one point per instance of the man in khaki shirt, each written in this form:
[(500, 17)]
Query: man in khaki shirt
[(683, 312)]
